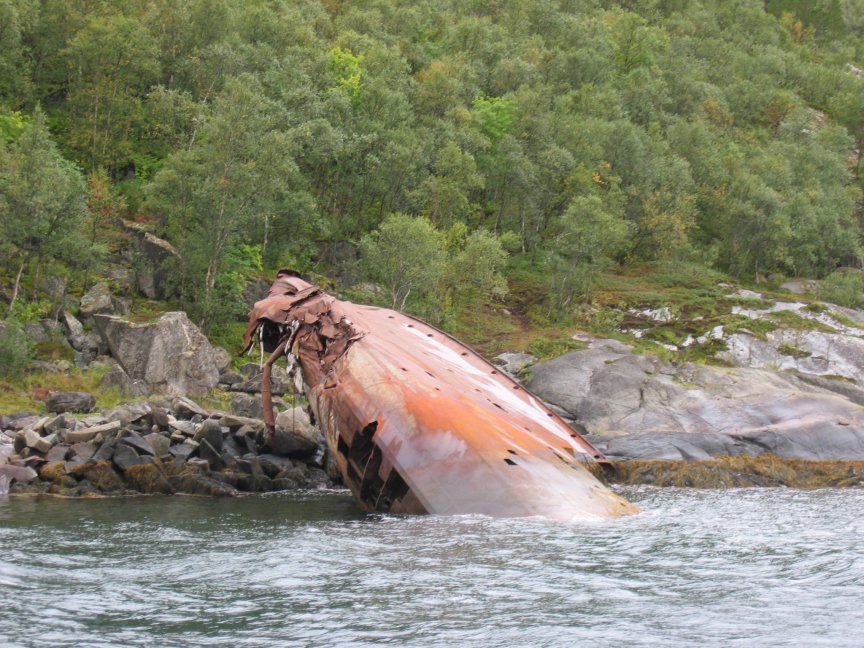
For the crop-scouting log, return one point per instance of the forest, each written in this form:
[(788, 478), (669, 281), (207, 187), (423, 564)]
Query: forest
[(439, 151)]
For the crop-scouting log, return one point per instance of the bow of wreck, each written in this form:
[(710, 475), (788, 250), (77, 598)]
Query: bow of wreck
[(419, 423)]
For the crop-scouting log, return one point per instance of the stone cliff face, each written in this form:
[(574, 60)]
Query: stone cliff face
[(793, 390), (636, 406)]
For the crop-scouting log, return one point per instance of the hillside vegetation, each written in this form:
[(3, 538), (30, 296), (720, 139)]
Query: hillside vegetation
[(430, 155)]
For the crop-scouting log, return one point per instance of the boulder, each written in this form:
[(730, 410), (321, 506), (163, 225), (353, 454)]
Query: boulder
[(159, 442), (222, 359), (154, 258), (117, 378), (88, 434), (75, 333), (210, 431), (641, 407), (128, 413), (186, 408), (61, 422), (101, 475), (231, 378), (193, 483), (250, 406), (134, 440), (99, 301), (170, 355), (70, 402), (295, 435), (513, 363), (125, 456), (234, 422)]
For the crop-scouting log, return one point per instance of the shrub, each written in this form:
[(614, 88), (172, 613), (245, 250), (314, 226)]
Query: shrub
[(16, 349), (844, 288)]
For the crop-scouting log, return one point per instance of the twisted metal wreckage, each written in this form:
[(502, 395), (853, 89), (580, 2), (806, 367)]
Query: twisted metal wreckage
[(419, 423)]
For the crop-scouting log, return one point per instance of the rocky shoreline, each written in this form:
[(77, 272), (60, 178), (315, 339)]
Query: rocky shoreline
[(161, 446)]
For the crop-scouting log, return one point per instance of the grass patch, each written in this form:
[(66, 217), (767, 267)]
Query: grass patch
[(29, 392), (793, 351), (546, 348), (790, 320)]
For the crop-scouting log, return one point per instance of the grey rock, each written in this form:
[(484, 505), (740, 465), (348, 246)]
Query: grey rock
[(125, 456), (117, 378), (251, 370), (186, 408), (61, 422), (234, 422), (82, 451), (295, 435), (210, 431), (127, 413), (181, 450), (76, 335), (513, 363), (222, 359), (105, 451), (212, 456), (272, 464), (137, 442), (170, 355), (640, 407), (88, 434), (160, 443), (96, 301), (38, 333), (201, 485), (58, 453), (21, 474), (157, 417), (248, 406), (22, 421), (154, 259), (32, 439), (186, 428), (70, 402), (231, 378)]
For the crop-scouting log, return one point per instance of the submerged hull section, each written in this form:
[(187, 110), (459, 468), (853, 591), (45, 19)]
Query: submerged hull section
[(419, 423)]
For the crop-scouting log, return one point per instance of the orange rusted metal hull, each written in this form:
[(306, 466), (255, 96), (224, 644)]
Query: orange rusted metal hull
[(419, 423)]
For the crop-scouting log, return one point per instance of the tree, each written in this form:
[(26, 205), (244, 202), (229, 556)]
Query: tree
[(42, 201), (111, 61), (214, 195), (406, 255), (585, 240), (474, 265)]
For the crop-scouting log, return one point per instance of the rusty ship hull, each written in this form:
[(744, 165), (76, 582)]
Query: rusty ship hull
[(419, 423)]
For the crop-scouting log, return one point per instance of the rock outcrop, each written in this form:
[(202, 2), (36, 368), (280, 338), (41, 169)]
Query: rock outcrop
[(635, 406), (169, 355)]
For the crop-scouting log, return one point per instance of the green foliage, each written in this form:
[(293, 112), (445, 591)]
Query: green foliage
[(474, 266), (580, 136), (547, 347), (42, 203), (16, 349), (12, 126), (844, 288), (406, 255), (587, 238), (346, 70)]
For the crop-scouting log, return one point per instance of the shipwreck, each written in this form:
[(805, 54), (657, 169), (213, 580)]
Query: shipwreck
[(417, 422)]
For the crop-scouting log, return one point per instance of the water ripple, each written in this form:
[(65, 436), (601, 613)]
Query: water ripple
[(719, 568)]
